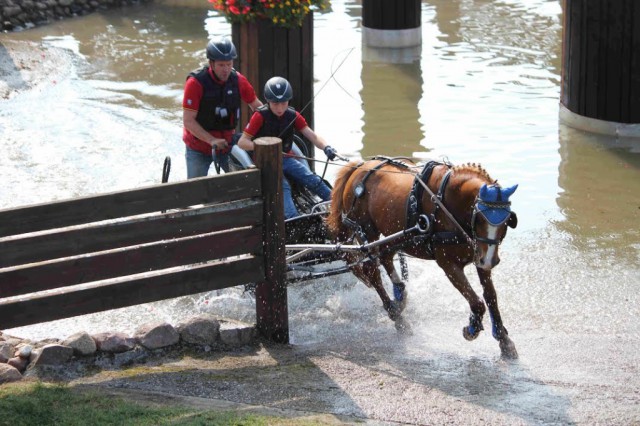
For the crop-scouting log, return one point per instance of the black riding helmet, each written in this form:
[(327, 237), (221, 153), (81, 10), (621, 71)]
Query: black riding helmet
[(221, 49), (277, 89)]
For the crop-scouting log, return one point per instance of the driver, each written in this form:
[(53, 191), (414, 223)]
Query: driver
[(279, 120), (211, 108)]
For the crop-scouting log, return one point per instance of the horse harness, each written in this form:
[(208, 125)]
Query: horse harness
[(414, 207)]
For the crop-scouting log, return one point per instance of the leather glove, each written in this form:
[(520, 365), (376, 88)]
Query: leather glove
[(330, 152)]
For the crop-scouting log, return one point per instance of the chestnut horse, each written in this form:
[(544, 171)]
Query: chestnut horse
[(467, 214)]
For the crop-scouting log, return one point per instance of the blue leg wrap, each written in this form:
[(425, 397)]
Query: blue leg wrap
[(475, 325), (494, 329), (398, 291)]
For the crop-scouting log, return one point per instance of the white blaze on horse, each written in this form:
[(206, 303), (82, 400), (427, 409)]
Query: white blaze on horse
[(462, 215)]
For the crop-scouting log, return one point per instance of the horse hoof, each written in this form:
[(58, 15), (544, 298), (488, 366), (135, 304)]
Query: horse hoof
[(394, 310), (403, 327), (508, 349), (468, 334)]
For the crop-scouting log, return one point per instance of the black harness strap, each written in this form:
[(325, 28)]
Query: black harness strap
[(414, 207)]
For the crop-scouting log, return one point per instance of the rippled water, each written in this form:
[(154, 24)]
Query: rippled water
[(483, 87)]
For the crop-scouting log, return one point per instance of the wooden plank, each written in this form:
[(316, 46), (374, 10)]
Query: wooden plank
[(592, 56), (212, 189), (278, 53), (266, 42), (634, 74), (305, 69), (245, 38), (401, 21), (571, 36), (368, 13), (625, 63), (132, 260), (135, 291), (391, 15), (105, 236)]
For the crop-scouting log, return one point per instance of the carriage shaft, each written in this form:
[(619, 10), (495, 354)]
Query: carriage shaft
[(419, 228)]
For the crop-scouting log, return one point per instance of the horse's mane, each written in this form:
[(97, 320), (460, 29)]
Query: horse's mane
[(473, 169)]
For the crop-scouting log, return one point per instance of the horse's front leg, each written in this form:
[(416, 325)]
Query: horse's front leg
[(455, 273), (499, 331)]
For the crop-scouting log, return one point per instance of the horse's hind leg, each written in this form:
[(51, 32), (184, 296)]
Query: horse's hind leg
[(456, 275), (372, 273), (399, 293), (499, 331)]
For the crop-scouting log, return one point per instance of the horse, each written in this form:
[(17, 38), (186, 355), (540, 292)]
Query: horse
[(465, 215)]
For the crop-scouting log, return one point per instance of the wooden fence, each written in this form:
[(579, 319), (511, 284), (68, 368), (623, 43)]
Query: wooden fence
[(102, 252)]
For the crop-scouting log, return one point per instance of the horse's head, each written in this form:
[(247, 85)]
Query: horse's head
[(491, 216)]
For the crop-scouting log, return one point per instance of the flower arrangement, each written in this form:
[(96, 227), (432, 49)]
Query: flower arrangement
[(285, 13)]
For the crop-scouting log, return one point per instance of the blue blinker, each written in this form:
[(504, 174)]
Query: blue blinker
[(493, 203)]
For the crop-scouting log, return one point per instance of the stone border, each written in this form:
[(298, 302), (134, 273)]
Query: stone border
[(20, 357), (17, 15)]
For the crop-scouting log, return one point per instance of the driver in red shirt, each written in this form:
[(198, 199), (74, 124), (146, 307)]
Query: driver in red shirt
[(211, 107)]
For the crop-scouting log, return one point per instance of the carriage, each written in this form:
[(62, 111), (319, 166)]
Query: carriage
[(311, 253)]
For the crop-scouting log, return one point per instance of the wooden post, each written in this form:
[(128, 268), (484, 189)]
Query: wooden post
[(601, 66), (391, 23), (266, 50), (272, 312)]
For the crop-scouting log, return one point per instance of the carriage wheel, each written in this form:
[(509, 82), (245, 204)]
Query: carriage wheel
[(166, 169)]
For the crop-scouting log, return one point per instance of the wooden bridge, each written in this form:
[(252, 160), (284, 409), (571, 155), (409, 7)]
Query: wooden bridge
[(102, 252)]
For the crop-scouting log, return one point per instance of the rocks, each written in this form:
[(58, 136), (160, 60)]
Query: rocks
[(52, 354), (18, 363), (81, 343), (116, 349), (6, 351), (114, 342), (9, 374), (157, 335), (203, 328), (236, 334), (19, 15)]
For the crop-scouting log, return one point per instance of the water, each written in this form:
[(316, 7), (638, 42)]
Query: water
[(484, 87)]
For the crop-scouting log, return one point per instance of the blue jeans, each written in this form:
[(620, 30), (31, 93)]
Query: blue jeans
[(295, 171), (197, 163)]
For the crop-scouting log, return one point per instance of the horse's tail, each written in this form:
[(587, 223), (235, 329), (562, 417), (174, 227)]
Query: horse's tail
[(334, 220)]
